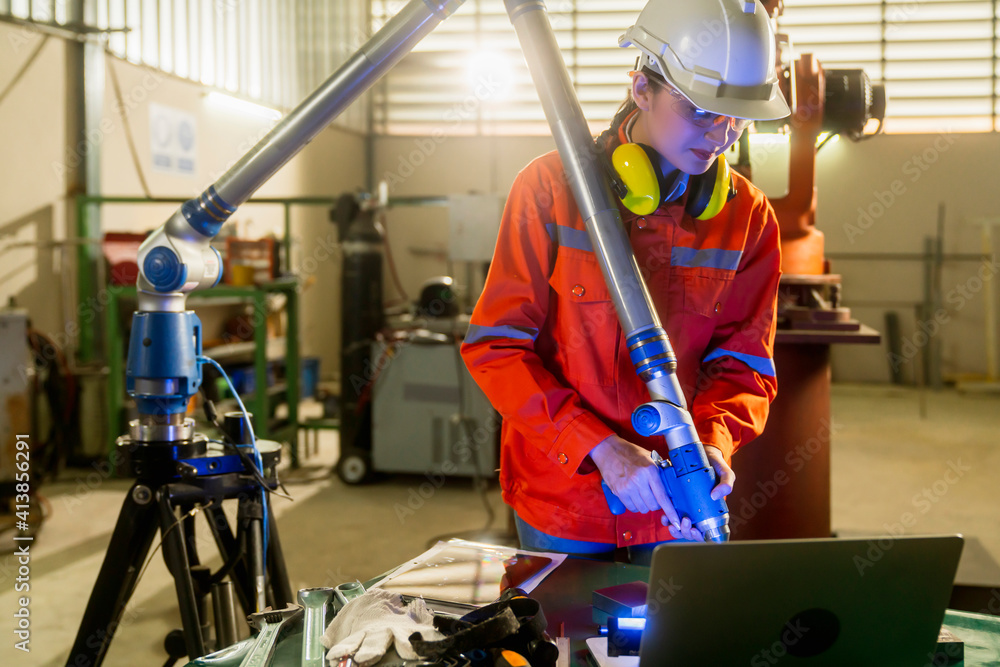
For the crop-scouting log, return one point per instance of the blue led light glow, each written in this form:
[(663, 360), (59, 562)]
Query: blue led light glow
[(632, 623)]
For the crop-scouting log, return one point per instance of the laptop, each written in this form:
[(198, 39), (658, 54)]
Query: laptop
[(819, 602)]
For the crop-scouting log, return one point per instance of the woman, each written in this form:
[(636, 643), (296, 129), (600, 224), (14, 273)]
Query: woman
[(545, 345)]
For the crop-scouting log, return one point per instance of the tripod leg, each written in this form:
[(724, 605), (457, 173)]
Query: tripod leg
[(228, 546), (176, 557), (278, 572), (255, 552), (130, 542), (200, 575)]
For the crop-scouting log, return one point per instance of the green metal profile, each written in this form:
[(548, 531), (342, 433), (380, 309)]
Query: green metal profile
[(85, 285)]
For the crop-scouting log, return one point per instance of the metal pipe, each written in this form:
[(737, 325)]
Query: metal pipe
[(286, 243), (583, 171), (125, 27), (937, 300), (178, 258), (224, 610), (159, 38), (992, 365), (242, 47), (193, 32), (425, 200), (221, 35), (375, 58), (586, 178), (255, 547)]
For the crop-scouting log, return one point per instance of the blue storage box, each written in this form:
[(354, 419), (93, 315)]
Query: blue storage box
[(309, 376)]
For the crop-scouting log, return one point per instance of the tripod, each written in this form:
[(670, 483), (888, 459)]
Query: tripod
[(175, 480)]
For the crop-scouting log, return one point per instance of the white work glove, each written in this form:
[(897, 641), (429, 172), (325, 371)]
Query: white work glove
[(367, 625)]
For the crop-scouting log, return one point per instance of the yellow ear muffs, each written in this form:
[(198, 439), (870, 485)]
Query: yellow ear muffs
[(636, 174), (709, 192), (640, 176)]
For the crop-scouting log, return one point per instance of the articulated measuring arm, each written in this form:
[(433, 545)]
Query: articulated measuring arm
[(177, 259), (164, 357)]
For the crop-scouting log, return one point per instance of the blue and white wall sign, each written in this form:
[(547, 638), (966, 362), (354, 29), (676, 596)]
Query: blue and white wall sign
[(173, 140)]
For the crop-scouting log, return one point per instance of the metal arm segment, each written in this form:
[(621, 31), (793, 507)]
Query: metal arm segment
[(649, 346), (177, 259)]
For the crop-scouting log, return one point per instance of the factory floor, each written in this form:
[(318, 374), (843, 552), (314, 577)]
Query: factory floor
[(888, 461)]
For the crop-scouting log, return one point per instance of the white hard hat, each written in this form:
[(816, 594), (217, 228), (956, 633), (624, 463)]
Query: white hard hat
[(718, 53)]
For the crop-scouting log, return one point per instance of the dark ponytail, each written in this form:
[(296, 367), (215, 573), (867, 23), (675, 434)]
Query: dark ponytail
[(629, 105)]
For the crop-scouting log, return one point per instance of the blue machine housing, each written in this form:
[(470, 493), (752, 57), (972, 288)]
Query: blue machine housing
[(163, 372)]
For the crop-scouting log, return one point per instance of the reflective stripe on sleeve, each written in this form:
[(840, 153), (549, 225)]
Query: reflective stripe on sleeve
[(763, 365)]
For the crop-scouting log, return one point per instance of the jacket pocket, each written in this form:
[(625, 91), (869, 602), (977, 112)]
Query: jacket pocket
[(705, 290), (585, 328)]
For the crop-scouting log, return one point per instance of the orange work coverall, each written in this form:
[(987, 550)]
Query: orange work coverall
[(546, 347)]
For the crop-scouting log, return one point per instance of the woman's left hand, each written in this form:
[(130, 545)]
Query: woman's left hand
[(726, 479), (726, 476)]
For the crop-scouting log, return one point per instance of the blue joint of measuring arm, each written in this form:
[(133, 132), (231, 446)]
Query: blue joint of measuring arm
[(651, 353), (207, 213)]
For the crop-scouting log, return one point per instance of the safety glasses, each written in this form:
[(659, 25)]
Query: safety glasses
[(699, 117)]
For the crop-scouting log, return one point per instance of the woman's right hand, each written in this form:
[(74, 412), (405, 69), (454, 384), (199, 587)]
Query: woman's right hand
[(632, 476)]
